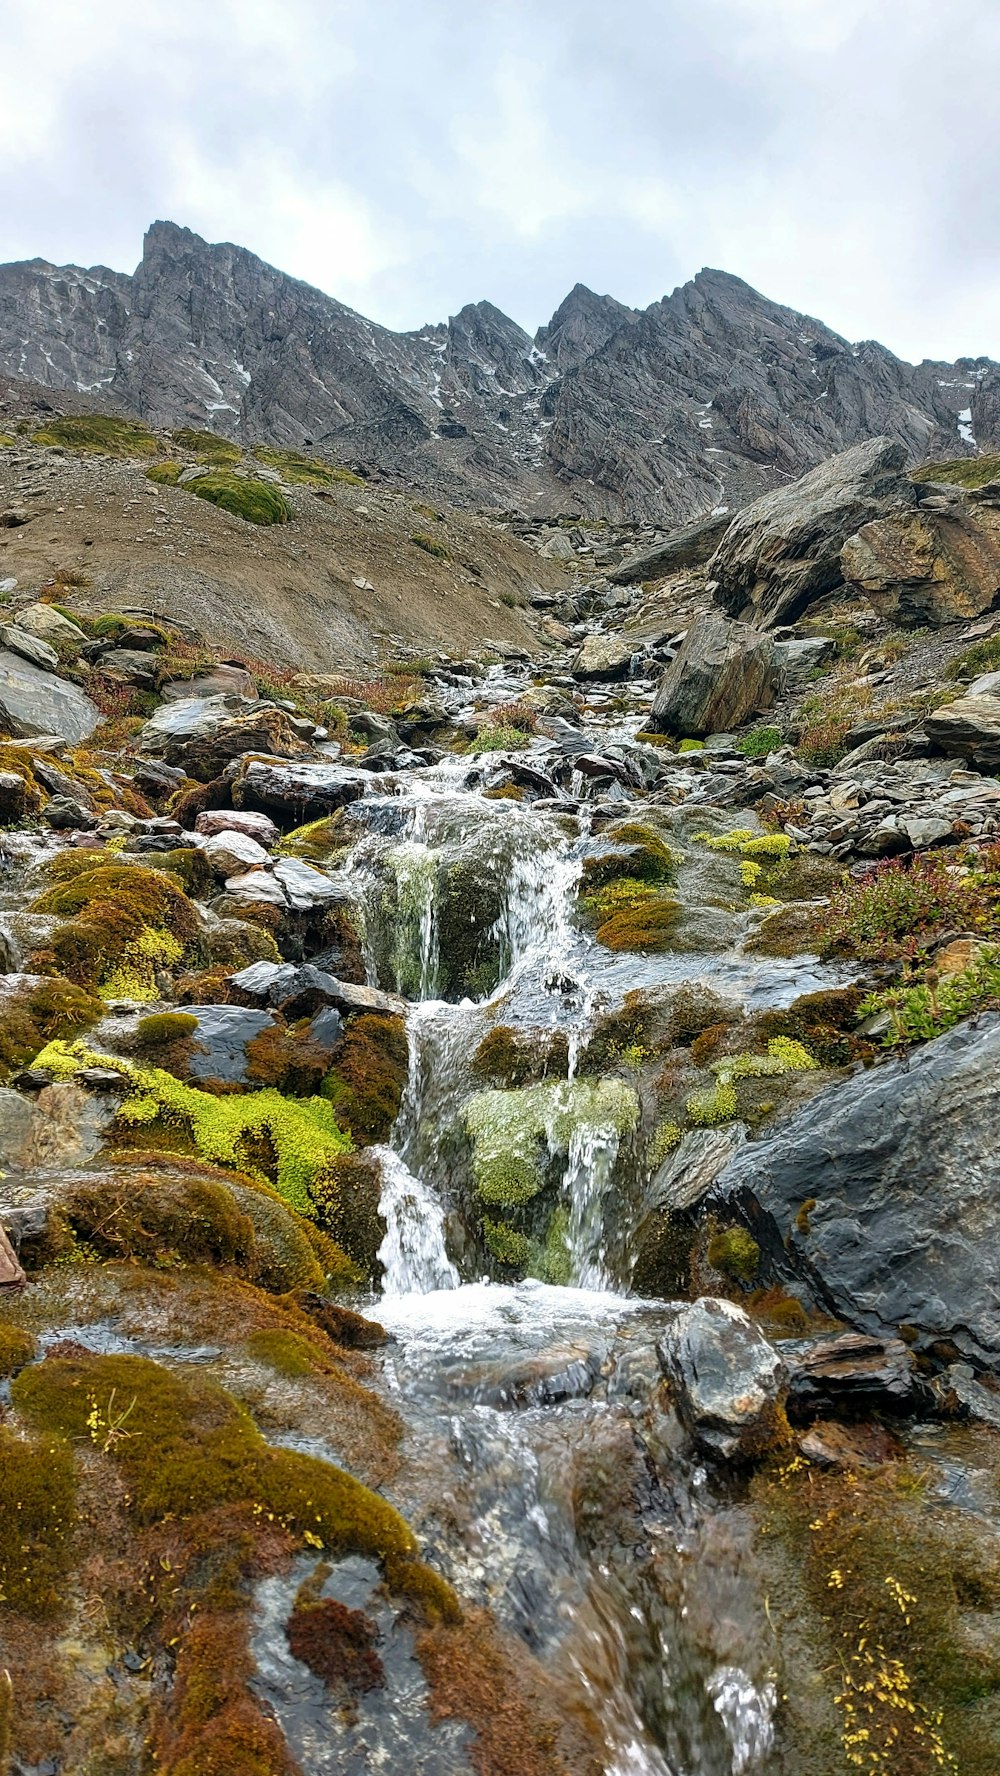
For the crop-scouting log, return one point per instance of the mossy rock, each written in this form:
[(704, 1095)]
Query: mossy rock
[(800, 928), (644, 925), (514, 1133), (643, 856), (519, 1057), (963, 471), (346, 1204), (50, 1009), (735, 1253), (367, 1076), (98, 434), (165, 474), (123, 923), (305, 471), (17, 1347)]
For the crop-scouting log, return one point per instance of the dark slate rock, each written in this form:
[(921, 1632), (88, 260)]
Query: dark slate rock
[(220, 1041), (727, 1378)]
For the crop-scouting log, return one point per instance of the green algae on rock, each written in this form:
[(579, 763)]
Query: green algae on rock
[(513, 1132)]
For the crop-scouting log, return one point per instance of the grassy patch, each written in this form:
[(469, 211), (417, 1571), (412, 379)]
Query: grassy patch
[(430, 545), (98, 433), (503, 739), (903, 907), (165, 474), (207, 446), (963, 471), (304, 471), (258, 502), (759, 742)]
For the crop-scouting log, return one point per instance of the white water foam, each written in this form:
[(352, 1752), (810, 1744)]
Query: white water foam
[(413, 1254)]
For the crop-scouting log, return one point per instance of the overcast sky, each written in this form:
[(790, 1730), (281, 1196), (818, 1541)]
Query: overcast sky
[(411, 155)]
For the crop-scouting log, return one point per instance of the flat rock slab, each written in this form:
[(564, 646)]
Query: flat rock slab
[(295, 790), (688, 546), (33, 701)]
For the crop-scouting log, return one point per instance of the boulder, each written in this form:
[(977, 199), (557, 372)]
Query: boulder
[(968, 728), (723, 672), (240, 820), (297, 988), (230, 853), (307, 887), (605, 656), (727, 1378), (36, 702), (221, 681), (853, 1373), (66, 814), (299, 790), (926, 569), (801, 654), (30, 647), (133, 666), (49, 624), (204, 734), (882, 1195), (782, 552), (689, 546)]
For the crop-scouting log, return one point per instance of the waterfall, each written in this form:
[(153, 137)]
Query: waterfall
[(590, 1165), (412, 1255)]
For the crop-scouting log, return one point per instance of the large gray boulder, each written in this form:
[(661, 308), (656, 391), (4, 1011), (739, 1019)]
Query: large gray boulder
[(722, 674), (883, 1194), (297, 790), (689, 546), (969, 728), (727, 1379), (782, 552), (203, 734), (33, 702)]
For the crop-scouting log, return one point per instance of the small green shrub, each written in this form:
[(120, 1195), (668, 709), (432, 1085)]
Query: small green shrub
[(931, 1006), (98, 433), (982, 657), (759, 742), (500, 740), (903, 906), (430, 545)]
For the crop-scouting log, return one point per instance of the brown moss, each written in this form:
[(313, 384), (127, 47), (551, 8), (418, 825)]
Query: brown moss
[(192, 869), (17, 1347), (37, 1514), (108, 910), (734, 1252), (473, 1678), (214, 1725), (514, 1058), (289, 1057), (708, 1043), (346, 1328), (794, 930), (161, 1220), (337, 1644), (34, 1015), (346, 1201), (645, 926), (367, 1076), (824, 1022)]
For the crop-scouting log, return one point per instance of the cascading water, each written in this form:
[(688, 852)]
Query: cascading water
[(412, 1255)]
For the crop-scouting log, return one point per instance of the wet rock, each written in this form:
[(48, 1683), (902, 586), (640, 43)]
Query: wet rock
[(204, 735), (689, 546), (65, 814), (882, 1195), (13, 798), (296, 791), (288, 986), (306, 887), (723, 672), (256, 887), (11, 1274), (604, 656), (63, 1125), (220, 1042), (927, 568), (782, 552), (958, 1391), (853, 1373), (690, 1171), (238, 820), (729, 1380), (829, 1444), (968, 728), (30, 647), (230, 853), (35, 702)]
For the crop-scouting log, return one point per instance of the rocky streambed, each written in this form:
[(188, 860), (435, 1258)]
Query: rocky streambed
[(500, 1225)]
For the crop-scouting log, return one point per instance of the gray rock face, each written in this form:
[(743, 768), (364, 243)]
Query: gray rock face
[(707, 399), (36, 702), (297, 789), (728, 1379), (968, 728), (689, 546), (927, 568), (299, 988), (901, 1167), (219, 1044), (783, 551), (723, 672)]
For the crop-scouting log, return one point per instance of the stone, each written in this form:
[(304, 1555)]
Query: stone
[(204, 735), (307, 887), (881, 1196), (782, 552), (297, 791), (132, 666), (557, 547), (959, 1390), (238, 820), (723, 672), (688, 1173), (605, 656), (925, 569), (36, 702), (63, 1126), (288, 986), (727, 1378), (13, 798), (220, 1042), (221, 681), (689, 546), (49, 624), (853, 1372), (11, 1274), (925, 830), (868, 1444), (30, 647), (801, 655), (65, 814), (258, 887), (231, 853), (969, 728)]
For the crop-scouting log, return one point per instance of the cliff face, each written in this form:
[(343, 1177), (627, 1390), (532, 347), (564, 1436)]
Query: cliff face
[(706, 399)]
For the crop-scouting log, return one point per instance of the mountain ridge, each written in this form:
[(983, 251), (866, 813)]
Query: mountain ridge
[(704, 400)]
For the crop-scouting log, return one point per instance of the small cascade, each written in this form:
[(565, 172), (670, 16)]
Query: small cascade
[(415, 949), (590, 1165), (412, 1255)]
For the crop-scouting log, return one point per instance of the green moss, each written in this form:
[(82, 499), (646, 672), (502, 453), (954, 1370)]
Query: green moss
[(500, 739), (367, 1076), (734, 1252), (122, 923), (165, 1027), (165, 474), (759, 742), (208, 446), (306, 471), (17, 1347), (315, 841), (506, 1244), (645, 857), (965, 471), (824, 1023), (691, 746), (430, 545), (7, 440), (717, 1104), (37, 1514), (513, 1132), (35, 1015), (553, 1263), (284, 1140), (287, 1352), (664, 1139), (98, 433), (346, 1201), (644, 925), (160, 1219)]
